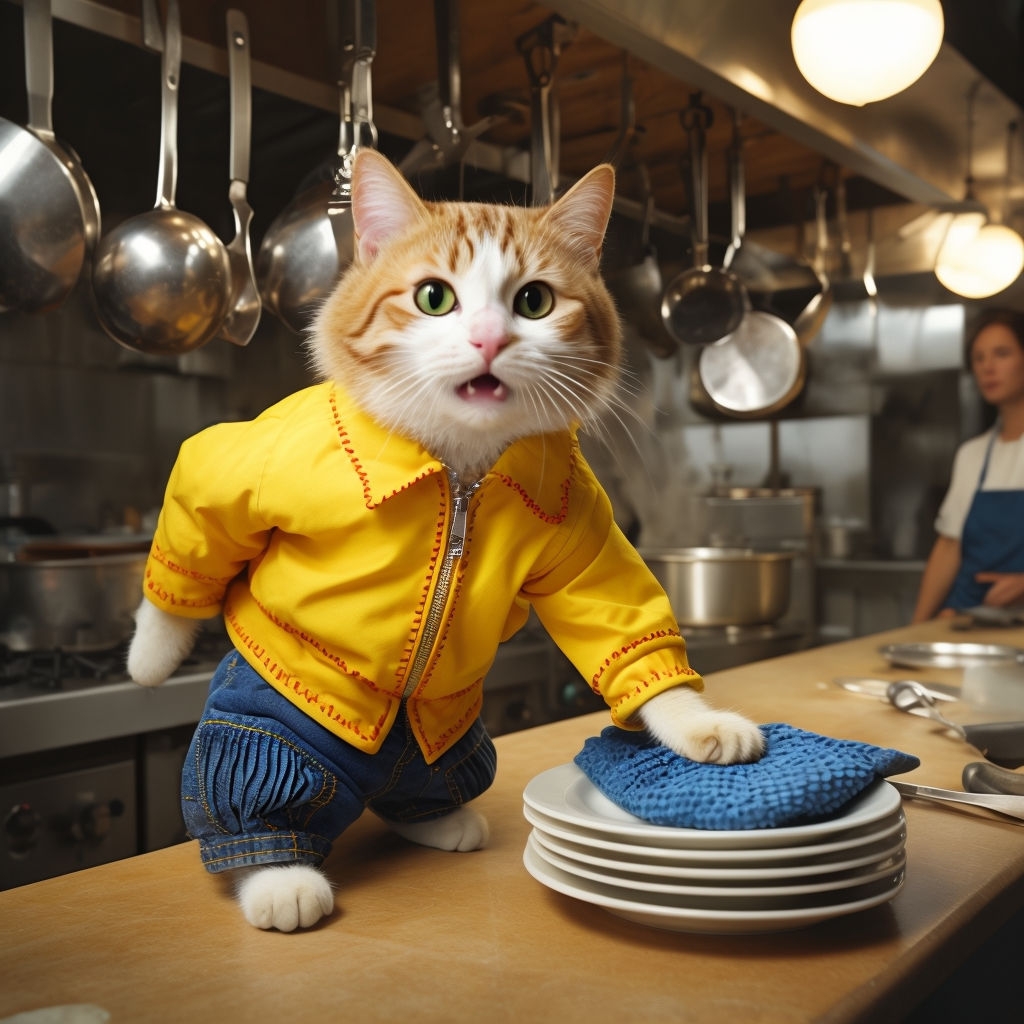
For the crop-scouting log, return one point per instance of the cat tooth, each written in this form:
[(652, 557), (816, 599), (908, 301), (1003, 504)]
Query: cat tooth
[(470, 390)]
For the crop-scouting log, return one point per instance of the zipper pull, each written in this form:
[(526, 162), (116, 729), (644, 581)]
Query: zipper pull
[(460, 514)]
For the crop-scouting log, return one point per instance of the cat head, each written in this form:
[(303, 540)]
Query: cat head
[(466, 326)]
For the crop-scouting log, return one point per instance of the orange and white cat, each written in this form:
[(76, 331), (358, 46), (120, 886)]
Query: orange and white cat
[(464, 332)]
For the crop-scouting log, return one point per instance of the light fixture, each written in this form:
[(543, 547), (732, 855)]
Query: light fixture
[(978, 258), (862, 51)]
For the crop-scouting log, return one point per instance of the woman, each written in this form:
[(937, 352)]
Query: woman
[(978, 557)]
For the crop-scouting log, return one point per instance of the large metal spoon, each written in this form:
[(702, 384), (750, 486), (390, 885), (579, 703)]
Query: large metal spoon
[(244, 315), (162, 280), (49, 213)]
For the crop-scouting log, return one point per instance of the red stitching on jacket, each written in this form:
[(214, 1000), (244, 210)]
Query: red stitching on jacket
[(595, 682), (294, 683), (161, 556)]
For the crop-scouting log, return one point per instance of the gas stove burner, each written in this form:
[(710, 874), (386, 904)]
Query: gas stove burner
[(57, 665)]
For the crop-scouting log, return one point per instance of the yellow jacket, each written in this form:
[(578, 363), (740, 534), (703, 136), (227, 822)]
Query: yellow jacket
[(322, 537)]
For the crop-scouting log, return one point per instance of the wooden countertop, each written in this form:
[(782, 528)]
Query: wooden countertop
[(430, 936)]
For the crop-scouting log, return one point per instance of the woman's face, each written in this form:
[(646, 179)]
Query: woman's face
[(997, 361)]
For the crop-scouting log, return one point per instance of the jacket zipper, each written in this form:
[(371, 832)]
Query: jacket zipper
[(455, 543)]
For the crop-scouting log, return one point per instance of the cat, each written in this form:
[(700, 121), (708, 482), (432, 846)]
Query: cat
[(349, 534)]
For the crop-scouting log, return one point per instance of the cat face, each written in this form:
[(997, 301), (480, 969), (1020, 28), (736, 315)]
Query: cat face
[(466, 326)]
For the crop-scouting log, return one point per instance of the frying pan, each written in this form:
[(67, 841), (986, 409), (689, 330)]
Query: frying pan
[(760, 367), (704, 304), (49, 213)]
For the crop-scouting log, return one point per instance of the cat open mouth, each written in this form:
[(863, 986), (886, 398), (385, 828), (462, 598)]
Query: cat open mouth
[(485, 388)]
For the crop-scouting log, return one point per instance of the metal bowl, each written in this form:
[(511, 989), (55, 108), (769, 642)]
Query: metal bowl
[(723, 586)]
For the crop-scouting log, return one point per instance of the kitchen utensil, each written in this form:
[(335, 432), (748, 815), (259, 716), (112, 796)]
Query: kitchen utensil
[(1000, 742), (982, 777), (703, 304), (1011, 806), (984, 615), (948, 655), (541, 49), (310, 243), (162, 279), (638, 288), (760, 367), (71, 600), (448, 138), (244, 313), (879, 688), (49, 213), (809, 320), (723, 586)]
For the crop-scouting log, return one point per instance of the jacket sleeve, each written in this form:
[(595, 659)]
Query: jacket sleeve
[(607, 612), (210, 525)]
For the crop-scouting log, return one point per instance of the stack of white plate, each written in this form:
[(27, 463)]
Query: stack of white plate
[(695, 880)]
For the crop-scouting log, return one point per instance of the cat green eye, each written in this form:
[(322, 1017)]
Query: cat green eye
[(534, 300), (435, 298)]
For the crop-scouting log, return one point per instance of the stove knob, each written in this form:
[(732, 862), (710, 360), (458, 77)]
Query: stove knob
[(21, 827)]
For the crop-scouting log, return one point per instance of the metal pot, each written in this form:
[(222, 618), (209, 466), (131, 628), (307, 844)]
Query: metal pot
[(72, 594), (723, 586)]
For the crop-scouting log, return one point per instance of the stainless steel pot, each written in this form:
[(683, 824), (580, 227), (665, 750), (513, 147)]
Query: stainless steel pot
[(723, 586), (72, 595)]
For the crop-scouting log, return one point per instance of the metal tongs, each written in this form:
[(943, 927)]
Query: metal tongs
[(1011, 806), (1000, 742)]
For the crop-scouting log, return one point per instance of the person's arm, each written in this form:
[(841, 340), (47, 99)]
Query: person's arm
[(937, 578), (1007, 588)]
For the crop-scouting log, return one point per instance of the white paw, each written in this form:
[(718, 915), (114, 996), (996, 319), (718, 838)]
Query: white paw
[(284, 897), (161, 643), (682, 721), (463, 830)]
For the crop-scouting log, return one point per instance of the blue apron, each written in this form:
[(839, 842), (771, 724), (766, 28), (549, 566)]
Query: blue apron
[(992, 539)]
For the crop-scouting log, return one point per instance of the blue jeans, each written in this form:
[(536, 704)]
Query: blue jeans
[(263, 783)]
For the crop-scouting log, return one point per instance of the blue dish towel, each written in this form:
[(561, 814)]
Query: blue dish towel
[(800, 778)]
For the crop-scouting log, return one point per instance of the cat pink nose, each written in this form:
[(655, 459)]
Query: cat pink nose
[(488, 332)]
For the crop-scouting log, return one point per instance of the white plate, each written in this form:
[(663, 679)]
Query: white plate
[(565, 793), (684, 919), (844, 860), (813, 853), (722, 896)]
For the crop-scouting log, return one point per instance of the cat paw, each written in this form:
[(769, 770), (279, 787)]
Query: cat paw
[(160, 644), (463, 830), (284, 897), (681, 720)]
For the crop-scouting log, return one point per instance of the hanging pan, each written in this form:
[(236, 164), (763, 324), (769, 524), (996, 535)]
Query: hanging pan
[(49, 214), (703, 304), (760, 367)]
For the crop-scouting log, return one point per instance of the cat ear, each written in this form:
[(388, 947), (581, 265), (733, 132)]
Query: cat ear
[(383, 202), (581, 215)]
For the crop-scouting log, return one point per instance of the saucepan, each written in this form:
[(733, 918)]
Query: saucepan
[(71, 593), (723, 586), (49, 213), (703, 304)]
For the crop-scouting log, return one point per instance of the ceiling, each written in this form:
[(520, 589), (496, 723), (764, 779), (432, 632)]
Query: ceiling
[(912, 151)]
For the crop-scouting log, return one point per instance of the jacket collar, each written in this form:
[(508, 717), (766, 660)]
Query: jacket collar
[(538, 469)]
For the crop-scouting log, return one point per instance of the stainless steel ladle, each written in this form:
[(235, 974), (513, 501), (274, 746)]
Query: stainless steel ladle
[(161, 279)]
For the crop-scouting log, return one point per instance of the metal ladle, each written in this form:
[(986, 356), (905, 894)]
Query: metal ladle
[(244, 315), (162, 280)]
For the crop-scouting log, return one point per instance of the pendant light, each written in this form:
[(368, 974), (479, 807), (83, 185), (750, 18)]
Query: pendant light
[(862, 51), (979, 258)]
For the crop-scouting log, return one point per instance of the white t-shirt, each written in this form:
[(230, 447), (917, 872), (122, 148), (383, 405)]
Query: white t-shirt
[(1005, 473)]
